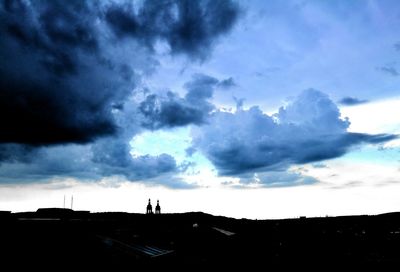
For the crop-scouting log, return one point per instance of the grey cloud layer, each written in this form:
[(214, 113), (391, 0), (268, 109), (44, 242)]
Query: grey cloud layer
[(85, 162)]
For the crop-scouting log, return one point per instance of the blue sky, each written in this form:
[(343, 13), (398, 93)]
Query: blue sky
[(283, 47), (270, 102)]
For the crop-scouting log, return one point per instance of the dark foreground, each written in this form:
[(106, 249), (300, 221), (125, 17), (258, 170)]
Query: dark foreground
[(55, 239)]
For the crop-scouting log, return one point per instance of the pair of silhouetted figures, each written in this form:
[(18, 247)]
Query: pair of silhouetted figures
[(149, 209)]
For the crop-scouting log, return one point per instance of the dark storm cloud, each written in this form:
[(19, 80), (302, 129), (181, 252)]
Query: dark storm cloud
[(170, 111), (174, 111), (62, 74), (187, 26), (351, 101), (309, 129), (68, 69), (50, 85), (16, 153)]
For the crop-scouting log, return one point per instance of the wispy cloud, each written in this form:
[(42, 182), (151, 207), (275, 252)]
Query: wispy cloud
[(390, 70), (352, 101)]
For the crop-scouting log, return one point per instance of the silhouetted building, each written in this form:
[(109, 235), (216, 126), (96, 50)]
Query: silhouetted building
[(149, 209), (54, 212), (158, 208), (61, 213)]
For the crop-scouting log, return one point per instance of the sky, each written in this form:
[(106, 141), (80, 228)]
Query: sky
[(248, 109)]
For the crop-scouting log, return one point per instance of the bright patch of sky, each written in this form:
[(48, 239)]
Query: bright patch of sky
[(262, 203), (175, 142), (385, 156), (154, 143), (380, 116)]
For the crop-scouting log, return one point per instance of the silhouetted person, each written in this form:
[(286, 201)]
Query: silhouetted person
[(149, 209), (158, 208)]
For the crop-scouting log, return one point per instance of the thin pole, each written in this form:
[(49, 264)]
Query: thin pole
[(64, 202), (72, 201)]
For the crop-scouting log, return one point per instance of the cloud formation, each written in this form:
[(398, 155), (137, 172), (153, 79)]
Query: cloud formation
[(173, 111), (112, 155), (67, 75), (308, 129), (66, 64), (68, 72), (113, 158), (189, 27)]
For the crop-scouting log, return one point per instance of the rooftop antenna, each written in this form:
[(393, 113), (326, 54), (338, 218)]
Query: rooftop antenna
[(72, 201)]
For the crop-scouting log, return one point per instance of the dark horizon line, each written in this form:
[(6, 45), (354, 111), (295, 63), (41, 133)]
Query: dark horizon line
[(87, 212)]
